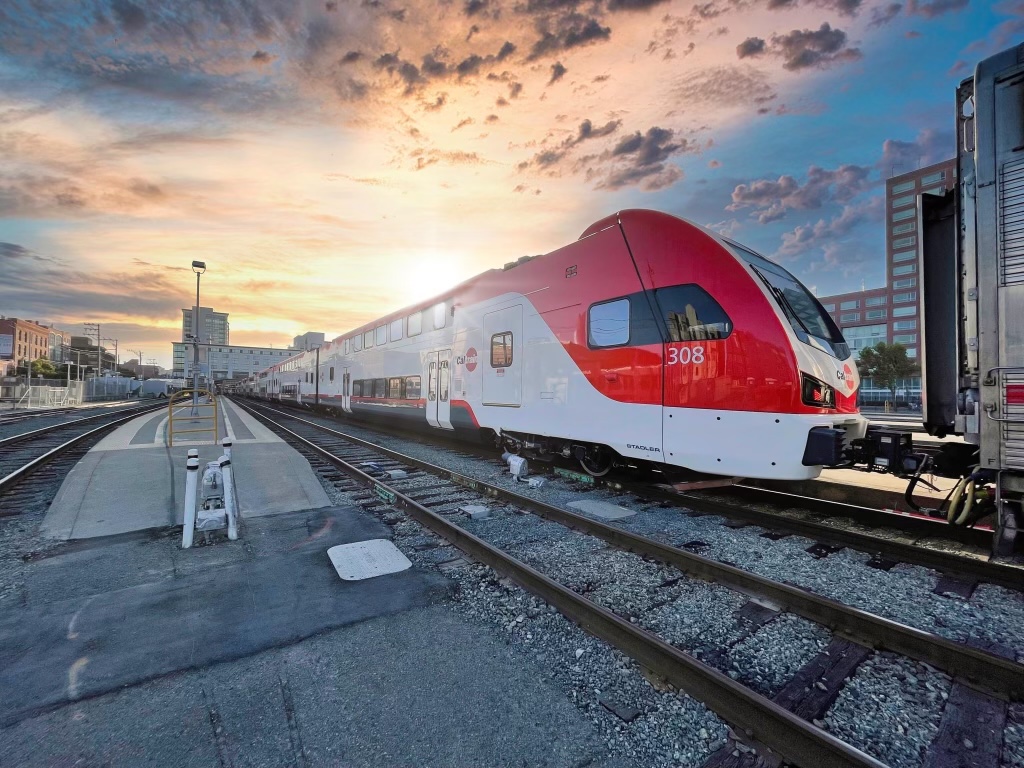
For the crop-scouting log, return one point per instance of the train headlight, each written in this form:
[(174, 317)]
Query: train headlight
[(817, 393)]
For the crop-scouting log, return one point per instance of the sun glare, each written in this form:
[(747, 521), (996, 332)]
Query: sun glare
[(430, 273)]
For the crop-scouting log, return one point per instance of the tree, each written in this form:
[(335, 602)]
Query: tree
[(886, 364), (43, 367)]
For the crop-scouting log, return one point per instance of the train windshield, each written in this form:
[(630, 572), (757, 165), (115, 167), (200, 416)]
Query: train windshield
[(809, 320)]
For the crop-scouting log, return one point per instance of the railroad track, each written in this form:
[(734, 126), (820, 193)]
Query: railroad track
[(60, 446), (432, 496), (891, 537)]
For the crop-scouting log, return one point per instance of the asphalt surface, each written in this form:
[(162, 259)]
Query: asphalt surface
[(127, 651)]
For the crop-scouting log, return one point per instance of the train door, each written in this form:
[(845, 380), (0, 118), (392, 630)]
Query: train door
[(503, 368), (439, 407), (346, 391)]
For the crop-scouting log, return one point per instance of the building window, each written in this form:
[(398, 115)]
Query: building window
[(899, 298), (898, 202), (906, 213), (900, 229), (501, 350), (829, 307), (875, 314), (904, 186), (934, 191), (905, 269), (382, 335), (904, 311), (440, 315), (396, 330), (850, 305), (906, 338), (851, 317), (875, 301), (414, 324), (332, 373), (933, 178), (904, 256), (907, 282), (608, 324), (904, 325), (911, 351), (905, 242), (864, 336)]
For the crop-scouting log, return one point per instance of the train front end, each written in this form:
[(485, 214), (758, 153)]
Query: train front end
[(758, 380)]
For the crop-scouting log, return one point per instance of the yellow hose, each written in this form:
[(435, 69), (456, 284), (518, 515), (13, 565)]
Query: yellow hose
[(968, 503), (954, 500)]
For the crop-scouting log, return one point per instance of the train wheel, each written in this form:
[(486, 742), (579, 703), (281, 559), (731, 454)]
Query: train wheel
[(597, 461)]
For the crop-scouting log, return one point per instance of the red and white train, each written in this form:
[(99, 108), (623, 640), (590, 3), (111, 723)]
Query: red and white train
[(648, 340)]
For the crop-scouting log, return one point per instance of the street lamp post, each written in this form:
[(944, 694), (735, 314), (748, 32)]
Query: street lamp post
[(199, 267)]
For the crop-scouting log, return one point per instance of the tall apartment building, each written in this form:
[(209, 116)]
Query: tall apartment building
[(892, 313), (24, 340), (213, 326)]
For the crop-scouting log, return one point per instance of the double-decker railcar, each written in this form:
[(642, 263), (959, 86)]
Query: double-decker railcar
[(648, 340)]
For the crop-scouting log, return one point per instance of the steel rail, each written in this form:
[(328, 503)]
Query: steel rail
[(20, 473), (23, 436), (753, 715), (991, 571), (915, 525), (972, 666)]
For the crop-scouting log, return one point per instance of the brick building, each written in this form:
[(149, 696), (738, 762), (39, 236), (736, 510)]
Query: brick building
[(24, 341)]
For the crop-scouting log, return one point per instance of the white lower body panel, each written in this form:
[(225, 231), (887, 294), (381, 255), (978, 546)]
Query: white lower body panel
[(767, 446)]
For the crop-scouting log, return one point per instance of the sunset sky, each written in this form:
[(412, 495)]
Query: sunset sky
[(333, 161)]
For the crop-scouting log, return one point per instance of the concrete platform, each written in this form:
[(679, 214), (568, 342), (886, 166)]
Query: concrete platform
[(132, 480), (127, 651)]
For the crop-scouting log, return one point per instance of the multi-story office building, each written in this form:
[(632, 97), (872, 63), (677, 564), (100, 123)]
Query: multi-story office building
[(891, 313), (213, 326), (308, 341), (25, 341), (225, 362)]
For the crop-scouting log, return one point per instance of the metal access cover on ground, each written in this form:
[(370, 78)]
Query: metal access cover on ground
[(366, 559), (602, 509)]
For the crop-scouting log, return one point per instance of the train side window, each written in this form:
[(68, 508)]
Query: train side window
[(379, 388), (332, 373), (368, 340), (395, 389), (440, 315), (414, 326), (444, 379), (357, 388), (432, 382), (608, 324), (357, 343), (501, 350), (691, 314), (396, 330), (382, 335), (412, 387)]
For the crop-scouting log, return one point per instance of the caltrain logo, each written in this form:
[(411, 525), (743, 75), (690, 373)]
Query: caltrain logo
[(469, 359), (846, 375)]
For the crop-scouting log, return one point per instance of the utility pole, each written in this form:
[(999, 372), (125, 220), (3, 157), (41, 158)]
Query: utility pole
[(139, 353), (90, 329)]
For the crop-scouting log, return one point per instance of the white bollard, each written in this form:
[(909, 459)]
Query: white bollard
[(191, 483), (230, 506), (226, 442)]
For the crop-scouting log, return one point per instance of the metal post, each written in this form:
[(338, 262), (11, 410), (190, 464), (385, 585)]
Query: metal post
[(230, 508), (316, 378), (191, 483), (226, 443)]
